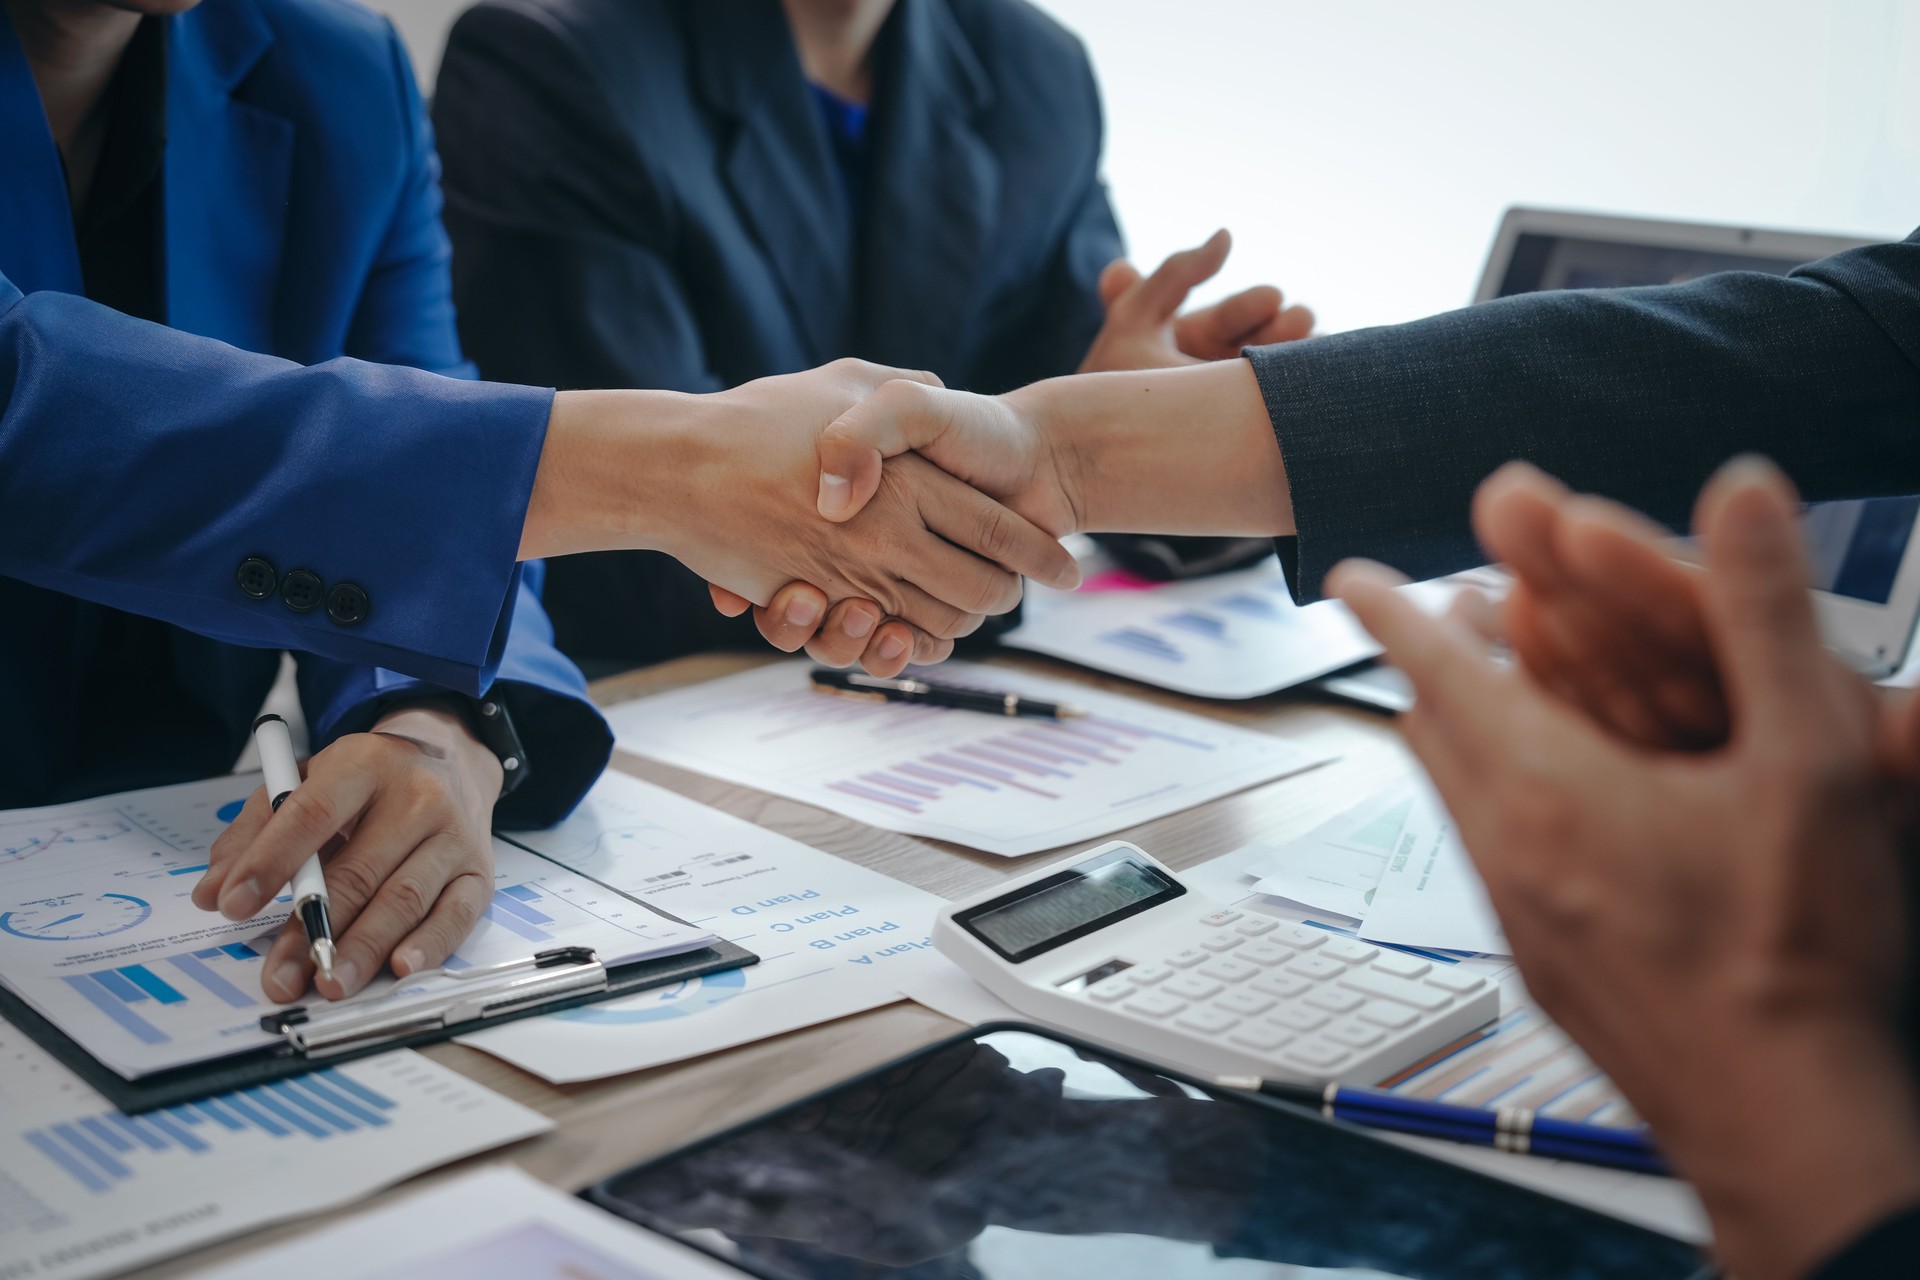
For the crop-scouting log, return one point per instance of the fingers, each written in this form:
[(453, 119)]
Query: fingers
[(286, 971), (228, 846), (795, 614), (1290, 325), (1756, 600), (332, 796), (1157, 299), (895, 419), (968, 518), (459, 908), (383, 884), (1116, 279), (845, 634), (729, 604)]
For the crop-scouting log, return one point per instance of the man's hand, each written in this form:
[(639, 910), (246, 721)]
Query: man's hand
[(1721, 930), (1146, 329), (403, 816)]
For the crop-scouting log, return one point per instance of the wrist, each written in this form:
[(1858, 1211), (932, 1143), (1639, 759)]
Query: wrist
[(1808, 1143), (438, 726), (610, 475)]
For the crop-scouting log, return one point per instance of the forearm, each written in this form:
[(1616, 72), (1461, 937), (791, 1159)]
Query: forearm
[(1186, 450), (611, 468)]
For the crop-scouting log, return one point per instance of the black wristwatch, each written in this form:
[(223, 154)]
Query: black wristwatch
[(494, 727)]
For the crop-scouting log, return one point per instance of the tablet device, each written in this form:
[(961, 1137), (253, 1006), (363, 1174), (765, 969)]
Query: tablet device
[(1866, 560), (1012, 1152)]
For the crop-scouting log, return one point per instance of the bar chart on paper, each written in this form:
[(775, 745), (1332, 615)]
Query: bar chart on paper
[(88, 1190), (1001, 785), (103, 939)]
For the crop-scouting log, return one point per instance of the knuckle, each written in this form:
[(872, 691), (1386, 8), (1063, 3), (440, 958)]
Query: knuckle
[(407, 897), (351, 885), (310, 811)]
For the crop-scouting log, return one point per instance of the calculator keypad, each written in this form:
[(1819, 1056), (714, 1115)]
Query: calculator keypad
[(1311, 1001)]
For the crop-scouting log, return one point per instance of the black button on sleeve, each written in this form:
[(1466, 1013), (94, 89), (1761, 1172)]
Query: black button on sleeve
[(256, 578), (301, 590), (348, 604)]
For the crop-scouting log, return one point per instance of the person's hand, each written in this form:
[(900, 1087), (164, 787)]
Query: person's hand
[(1723, 931), (1146, 329), (403, 816), (835, 635), (725, 483)]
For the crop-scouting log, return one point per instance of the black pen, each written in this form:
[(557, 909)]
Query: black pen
[(1516, 1129), (849, 684)]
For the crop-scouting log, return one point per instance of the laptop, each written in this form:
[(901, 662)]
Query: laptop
[(1866, 559)]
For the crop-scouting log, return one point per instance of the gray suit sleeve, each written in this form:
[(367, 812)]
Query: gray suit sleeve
[(1637, 394)]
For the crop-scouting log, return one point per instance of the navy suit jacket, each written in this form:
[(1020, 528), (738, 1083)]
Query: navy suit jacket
[(1638, 394), (139, 466), (642, 193)]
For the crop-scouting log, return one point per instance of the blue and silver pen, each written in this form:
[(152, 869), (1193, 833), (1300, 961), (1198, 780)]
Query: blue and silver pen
[(1517, 1129)]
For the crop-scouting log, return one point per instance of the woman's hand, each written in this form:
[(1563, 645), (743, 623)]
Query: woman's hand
[(403, 817)]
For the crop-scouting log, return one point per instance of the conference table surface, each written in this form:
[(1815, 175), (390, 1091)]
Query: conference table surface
[(604, 1126)]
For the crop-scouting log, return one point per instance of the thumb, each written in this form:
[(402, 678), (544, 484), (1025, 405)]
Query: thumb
[(1159, 297), (1755, 597), (1116, 279), (897, 418)]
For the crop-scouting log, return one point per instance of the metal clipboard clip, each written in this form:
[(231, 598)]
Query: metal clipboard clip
[(438, 998)]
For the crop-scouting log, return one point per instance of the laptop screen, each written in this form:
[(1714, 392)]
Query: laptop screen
[(1856, 546)]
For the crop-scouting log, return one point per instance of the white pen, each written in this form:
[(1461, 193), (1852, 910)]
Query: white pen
[(309, 884)]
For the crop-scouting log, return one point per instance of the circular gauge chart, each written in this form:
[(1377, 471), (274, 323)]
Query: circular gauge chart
[(684, 999), (75, 917)]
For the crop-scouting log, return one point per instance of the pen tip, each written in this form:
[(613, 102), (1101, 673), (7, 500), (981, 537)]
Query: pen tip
[(1073, 713), (323, 958)]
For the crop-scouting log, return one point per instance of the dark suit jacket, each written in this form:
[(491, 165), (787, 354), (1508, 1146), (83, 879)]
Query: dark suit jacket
[(641, 193), (1634, 393)]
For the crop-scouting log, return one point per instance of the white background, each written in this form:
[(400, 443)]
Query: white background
[(1362, 150)]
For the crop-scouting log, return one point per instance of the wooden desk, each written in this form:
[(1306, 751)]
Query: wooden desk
[(606, 1125)]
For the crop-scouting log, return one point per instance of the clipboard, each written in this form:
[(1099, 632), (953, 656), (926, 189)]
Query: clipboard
[(448, 1003)]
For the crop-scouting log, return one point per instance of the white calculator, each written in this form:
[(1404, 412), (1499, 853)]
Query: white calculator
[(1111, 946)]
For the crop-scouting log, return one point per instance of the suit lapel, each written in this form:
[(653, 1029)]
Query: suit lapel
[(37, 246), (936, 190), (228, 168), (778, 162)]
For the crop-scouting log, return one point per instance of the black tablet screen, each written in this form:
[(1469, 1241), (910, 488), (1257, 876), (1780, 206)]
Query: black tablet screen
[(1012, 1155)]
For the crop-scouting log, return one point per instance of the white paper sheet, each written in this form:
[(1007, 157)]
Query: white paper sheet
[(87, 1191), (493, 1224), (833, 937), (1233, 635), (1429, 894), (98, 933), (1005, 786), (1336, 866)]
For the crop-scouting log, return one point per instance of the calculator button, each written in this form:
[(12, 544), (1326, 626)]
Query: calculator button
[(1350, 951), (1334, 1000), (1392, 1016), (1299, 1019), (1388, 987), (1188, 958), (1227, 969), (1154, 1004), (1267, 953), (1317, 1055), (1263, 1036), (1284, 985), (1401, 966), (1245, 1003), (1255, 927), (1298, 936), (1210, 1021), (1448, 980), (1218, 918), (1316, 967), (1191, 986), (1357, 1034), (1110, 992), (1224, 942), (1145, 975)]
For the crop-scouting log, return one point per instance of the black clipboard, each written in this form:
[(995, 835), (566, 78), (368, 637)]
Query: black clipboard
[(261, 1066)]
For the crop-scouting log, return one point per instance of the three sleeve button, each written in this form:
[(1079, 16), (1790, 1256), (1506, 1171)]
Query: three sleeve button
[(301, 590), (256, 578), (348, 604)]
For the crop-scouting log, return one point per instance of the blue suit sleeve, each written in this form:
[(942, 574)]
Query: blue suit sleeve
[(406, 316), (1637, 394), (140, 466)]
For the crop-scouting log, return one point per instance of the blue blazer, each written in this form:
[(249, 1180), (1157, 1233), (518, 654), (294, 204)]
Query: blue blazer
[(642, 193), (140, 467)]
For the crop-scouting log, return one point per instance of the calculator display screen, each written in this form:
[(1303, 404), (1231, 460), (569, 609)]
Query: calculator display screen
[(1052, 912)]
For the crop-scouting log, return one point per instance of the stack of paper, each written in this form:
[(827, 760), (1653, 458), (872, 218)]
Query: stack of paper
[(98, 933), (1005, 786), (89, 1191)]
